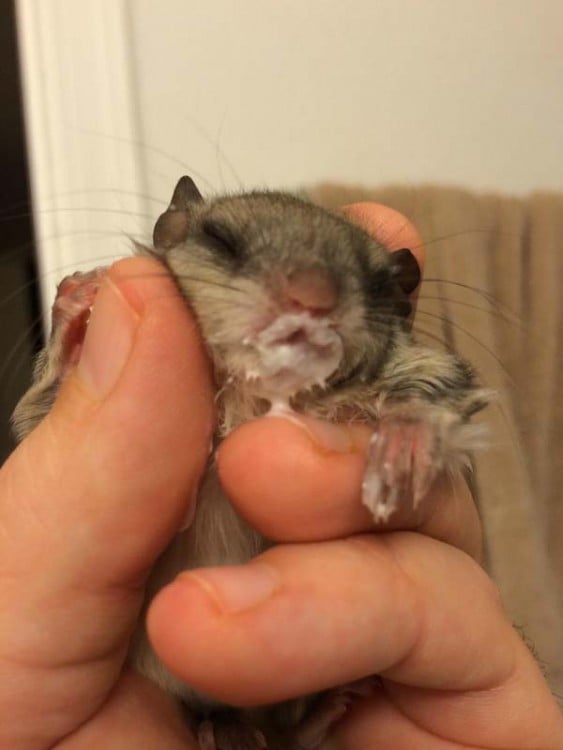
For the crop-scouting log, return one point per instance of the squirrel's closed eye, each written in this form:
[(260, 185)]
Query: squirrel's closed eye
[(221, 238)]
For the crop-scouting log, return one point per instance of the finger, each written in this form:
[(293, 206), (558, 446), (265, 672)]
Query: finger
[(389, 227), (118, 435), (92, 496), (304, 483), (415, 611), (392, 230), (497, 718)]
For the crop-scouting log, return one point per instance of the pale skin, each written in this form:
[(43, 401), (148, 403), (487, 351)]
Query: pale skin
[(90, 498)]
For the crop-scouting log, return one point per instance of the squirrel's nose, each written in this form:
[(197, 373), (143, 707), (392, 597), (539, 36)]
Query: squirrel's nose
[(311, 290)]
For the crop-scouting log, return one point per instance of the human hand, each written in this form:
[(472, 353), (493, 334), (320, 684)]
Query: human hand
[(80, 529)]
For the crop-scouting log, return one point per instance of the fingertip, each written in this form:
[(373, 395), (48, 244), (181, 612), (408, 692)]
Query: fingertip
[(389, 227), (204, 644), (142, 359), (139, 278), (296, 478)]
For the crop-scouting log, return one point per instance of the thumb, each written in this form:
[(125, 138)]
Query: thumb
[(92, 496), (127, 438)]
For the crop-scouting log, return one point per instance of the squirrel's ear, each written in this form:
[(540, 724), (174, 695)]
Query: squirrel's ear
[(185, 193), (405, 270), (173, 225)]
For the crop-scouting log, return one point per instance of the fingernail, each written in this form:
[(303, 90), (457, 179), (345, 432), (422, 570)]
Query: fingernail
[(237, 588), (108, 341), (326, 436)]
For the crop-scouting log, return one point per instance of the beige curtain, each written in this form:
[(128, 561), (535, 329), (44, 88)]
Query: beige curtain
[(494, 278)]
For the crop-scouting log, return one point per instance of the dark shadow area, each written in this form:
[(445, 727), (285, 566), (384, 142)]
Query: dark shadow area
[(19, 308)]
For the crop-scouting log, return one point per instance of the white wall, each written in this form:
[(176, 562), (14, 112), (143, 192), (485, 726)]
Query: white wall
[(124, 96), (456, 91)]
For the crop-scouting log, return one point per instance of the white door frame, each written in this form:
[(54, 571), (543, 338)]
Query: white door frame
[(82, 133)]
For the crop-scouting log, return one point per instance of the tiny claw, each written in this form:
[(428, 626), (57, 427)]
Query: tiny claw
[(422, 481), (372, 486), (426, 466), (206, 736), (229, 734), (385, 478), (408, 452), (313, 730), (403, 461), (392, 503)]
